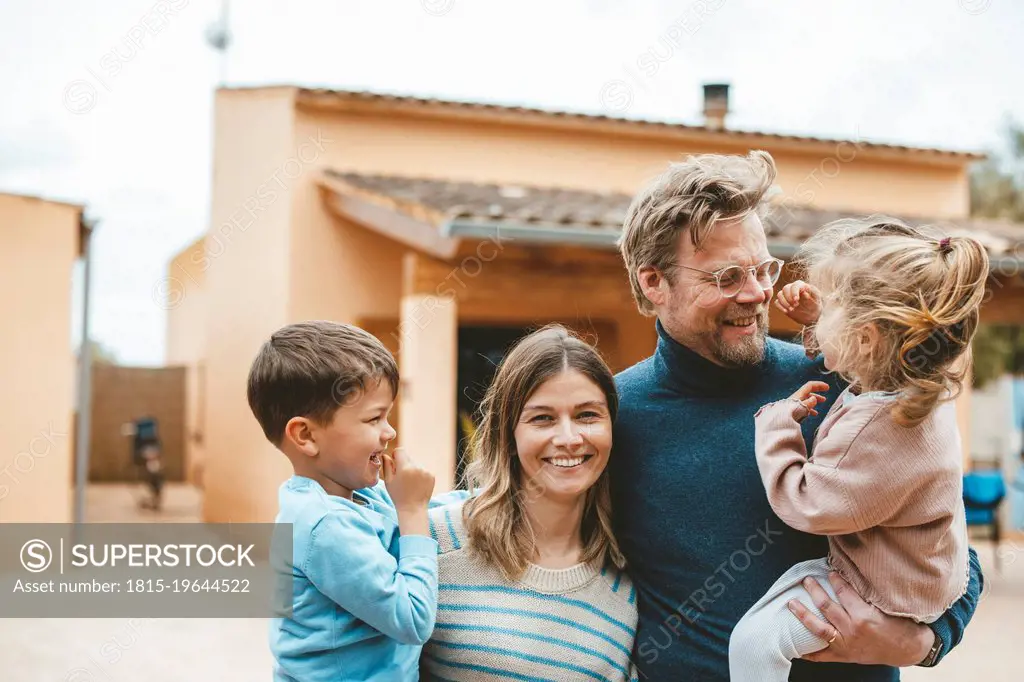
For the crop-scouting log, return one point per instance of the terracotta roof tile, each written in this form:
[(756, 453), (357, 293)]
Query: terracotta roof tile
[(606, 211), (516, 203)]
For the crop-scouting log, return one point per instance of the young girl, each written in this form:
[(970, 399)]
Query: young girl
[(893, 310)]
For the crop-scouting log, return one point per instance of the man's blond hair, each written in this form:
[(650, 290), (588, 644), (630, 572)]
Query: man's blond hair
[(691, 197)]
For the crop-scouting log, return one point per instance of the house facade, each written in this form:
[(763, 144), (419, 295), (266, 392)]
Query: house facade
[(447, 229), (40, 240)]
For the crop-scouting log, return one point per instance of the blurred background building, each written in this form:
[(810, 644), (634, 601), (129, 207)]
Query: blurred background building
[(40, 240), (448, 229)]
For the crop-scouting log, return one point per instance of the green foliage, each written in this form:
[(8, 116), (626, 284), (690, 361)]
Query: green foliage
[(997, 191), (998, 350), (997, 184)]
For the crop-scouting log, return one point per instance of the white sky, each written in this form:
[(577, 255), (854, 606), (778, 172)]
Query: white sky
[(942, 73)]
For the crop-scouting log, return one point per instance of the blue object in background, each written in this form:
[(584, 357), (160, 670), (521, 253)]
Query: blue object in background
[(983, 491)]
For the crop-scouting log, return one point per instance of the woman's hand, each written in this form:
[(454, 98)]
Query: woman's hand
[(800, 301), (862, 634), (807, 396)]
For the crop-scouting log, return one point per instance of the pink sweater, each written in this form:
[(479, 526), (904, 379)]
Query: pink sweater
[(888, 497)]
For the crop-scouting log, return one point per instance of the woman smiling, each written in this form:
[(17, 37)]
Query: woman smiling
[(531, 585)]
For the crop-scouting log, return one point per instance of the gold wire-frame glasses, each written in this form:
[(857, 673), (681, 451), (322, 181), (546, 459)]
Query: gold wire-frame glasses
[(731, 278)]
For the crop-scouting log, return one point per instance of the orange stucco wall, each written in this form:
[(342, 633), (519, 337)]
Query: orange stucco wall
[(339, 270), (844, 178), (185, 302), (38, 247), (247, 264)]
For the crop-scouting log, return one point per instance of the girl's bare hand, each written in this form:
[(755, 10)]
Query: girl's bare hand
[(800, 301), (807, 396)]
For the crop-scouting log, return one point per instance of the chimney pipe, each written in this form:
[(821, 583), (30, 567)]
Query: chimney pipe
[(716, 105)]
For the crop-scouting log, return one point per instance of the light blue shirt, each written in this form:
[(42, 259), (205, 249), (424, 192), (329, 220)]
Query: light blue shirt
[(364, 598)]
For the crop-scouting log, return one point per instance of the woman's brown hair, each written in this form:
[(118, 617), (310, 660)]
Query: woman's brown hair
[(495, 519)]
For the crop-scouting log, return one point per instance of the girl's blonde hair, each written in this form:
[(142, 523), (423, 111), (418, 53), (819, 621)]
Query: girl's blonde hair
[(496, 518), (921, 292)]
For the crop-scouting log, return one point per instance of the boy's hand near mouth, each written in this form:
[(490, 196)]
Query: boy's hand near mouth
[(410, 487)]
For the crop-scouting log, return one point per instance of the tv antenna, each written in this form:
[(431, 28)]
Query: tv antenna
[(218, 37)]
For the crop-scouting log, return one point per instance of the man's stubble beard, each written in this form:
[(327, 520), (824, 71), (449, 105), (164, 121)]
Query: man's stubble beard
[(747, 353)]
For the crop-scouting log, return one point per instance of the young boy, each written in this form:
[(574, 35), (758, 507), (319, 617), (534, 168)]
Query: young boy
[(364, 569)]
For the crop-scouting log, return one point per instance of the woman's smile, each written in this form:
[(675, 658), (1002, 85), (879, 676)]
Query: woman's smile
[(567, 461)]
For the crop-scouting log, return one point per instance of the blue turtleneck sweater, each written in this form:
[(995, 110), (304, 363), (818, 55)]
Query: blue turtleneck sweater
[(692, 516)]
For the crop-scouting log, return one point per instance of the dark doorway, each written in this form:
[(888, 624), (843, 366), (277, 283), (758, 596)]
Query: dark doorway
[(480, 351)]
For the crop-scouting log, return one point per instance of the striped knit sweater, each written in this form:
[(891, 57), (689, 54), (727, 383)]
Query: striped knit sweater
[(576, 623)]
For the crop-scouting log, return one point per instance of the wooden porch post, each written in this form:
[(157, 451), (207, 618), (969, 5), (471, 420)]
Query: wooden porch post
[(428, 361)]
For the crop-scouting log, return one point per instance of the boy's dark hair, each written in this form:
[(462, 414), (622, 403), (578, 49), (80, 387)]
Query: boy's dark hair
[(310, 369)]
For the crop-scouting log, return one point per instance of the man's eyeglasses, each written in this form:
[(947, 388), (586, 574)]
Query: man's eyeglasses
[(731, 278)]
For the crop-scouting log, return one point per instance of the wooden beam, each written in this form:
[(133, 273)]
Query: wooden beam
[(486, 284), (1004, 303)]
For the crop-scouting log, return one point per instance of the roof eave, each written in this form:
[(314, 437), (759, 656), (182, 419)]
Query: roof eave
[(85, 230), (530, 116), (533, 233), (1008, 266), (386, 221), (1004, 265)]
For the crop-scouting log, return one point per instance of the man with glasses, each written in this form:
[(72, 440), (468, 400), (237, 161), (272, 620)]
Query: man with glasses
[(691, 514)]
